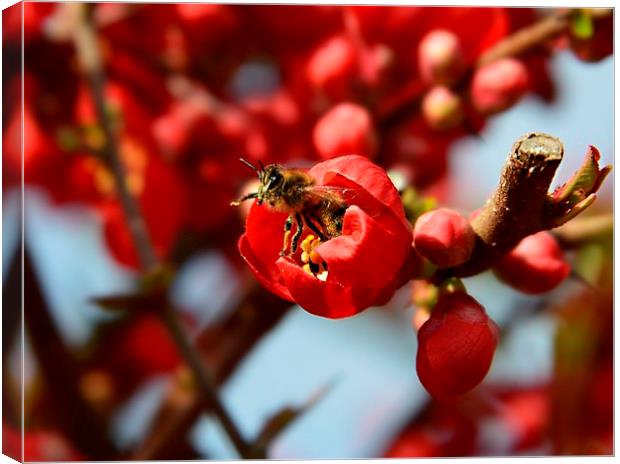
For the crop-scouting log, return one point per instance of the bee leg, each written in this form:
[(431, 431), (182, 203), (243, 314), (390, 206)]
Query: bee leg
[(288, 225), (298, 232), (314, 228)]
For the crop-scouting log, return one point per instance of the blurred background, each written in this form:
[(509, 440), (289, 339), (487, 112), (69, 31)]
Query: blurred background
[(190, 88)]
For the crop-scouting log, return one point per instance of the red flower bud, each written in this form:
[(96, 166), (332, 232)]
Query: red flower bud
[(442, 108), (333, 66), (455, 346), (499, 85), (347, 128), (361, 267), (440, 57), (444, 237), (535, 265)]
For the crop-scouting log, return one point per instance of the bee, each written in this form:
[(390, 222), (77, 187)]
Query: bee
[(320, 208)]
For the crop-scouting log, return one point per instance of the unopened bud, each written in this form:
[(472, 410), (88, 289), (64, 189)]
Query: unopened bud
[(442, 108), (444, 237), (332, 66), (346, 129), (536, 265), (499, 85), (440, 57), (455, 346)]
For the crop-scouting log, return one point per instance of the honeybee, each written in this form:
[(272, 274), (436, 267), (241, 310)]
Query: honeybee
[(320, 208)]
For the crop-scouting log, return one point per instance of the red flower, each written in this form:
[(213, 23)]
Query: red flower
[(499, 85), (333, 66), (535, 265), (365, 264), (438, 431), (442, 108), (42, 444), (440, 58), (455, 346), (346, 128)]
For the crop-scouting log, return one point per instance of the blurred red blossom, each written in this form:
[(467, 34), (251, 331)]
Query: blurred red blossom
[(440, 57), (346, 129), (38, 445), (499, 85), (441, 431)]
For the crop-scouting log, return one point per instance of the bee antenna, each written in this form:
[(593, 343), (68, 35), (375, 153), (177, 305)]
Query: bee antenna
[(262, 167), (250, 165)]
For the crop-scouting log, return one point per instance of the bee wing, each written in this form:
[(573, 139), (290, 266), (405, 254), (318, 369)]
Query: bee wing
[(323, 191)]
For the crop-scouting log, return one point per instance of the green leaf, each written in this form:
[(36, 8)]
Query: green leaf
[(415, 204), (572, 198), (582, 25)]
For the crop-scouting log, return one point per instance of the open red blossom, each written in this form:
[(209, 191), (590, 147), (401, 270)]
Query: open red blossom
[(455, 346), (365, 264), (535, 265)]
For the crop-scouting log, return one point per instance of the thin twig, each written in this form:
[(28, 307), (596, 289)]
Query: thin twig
[(223, 345), (204, 381), (89, 56), (85, 40)]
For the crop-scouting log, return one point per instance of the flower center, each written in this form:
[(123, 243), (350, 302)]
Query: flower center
[(313, 263)]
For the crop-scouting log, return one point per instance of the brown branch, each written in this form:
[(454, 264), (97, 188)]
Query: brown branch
[(12, 299), (527, 38), (204, 381), (223, 346), (89, 56), (61, 374), (518, 207)]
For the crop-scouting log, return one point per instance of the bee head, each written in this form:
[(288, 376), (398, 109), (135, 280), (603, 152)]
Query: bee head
[(270, 179)]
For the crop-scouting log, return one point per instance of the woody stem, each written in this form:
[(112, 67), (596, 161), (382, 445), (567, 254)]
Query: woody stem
[(90, 59), (518, 207)]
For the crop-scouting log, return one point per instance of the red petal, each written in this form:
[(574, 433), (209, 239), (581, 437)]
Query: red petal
[(365, 255), (265, 230), (326, 299), (268, 276), (364, 173)]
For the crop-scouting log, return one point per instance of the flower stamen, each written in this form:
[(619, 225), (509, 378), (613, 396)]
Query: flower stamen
[(313, 263)]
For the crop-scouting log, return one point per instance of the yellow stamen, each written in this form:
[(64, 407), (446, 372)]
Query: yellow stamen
[(314, 264)]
